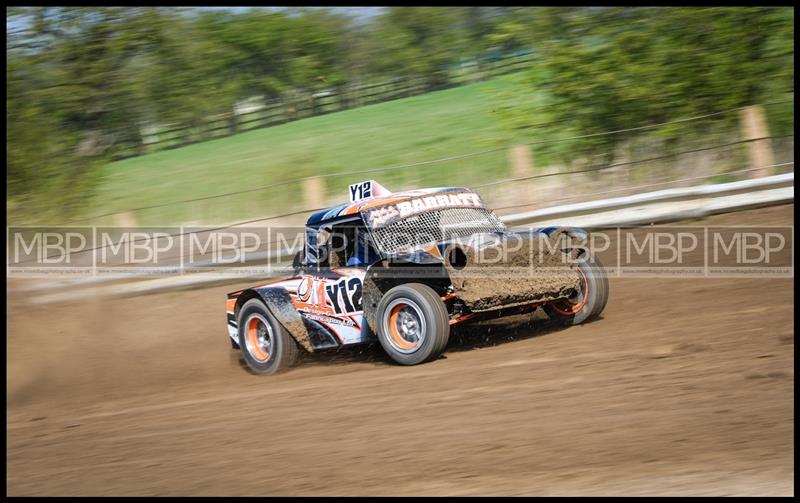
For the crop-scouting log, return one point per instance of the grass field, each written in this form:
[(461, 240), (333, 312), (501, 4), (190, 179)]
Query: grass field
[(430, 126)]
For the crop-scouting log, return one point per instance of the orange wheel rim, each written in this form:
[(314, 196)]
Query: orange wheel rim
[(405, 326), (259, 338), (394, 331), (568, 308)]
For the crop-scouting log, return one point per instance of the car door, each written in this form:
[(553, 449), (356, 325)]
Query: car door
[(330, 292)]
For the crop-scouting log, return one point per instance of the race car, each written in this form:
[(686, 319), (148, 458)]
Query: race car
[(405, 267)]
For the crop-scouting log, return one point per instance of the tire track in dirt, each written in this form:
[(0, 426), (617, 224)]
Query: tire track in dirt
[(685, 386)]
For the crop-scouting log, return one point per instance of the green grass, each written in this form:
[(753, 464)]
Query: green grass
[(430, 126)]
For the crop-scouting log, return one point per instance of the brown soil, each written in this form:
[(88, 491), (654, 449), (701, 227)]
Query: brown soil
[(685, 386), (513, 273)]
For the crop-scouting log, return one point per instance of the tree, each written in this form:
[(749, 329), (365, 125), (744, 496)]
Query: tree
[(66, 101), (416, 42), (84, 82), (615, 68)]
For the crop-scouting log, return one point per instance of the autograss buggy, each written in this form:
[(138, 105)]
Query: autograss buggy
[(404, 267)]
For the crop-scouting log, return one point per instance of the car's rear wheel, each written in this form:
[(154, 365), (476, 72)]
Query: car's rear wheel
[(266, 346), (588, 301), (413, 324)]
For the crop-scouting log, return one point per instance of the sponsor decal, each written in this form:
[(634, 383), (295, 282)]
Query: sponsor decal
[(382, 215), (385, 214), (304, 289), (320, 295), (330, 320)]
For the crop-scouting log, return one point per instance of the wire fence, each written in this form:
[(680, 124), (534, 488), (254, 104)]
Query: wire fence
[(527, 195), (720, 162), (478, 169), (299, 230)]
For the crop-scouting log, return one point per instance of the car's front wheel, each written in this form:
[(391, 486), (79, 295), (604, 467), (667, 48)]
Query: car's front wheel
[(266, 346), (413, 324), (590, 298)]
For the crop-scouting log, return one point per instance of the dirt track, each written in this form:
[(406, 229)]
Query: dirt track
[(684, 387)]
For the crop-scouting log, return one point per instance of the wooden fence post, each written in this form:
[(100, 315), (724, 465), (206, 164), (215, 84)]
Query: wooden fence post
[(232, 123), (521, 161), (125, 219), (314, 192), (754, 130), (141, 147), (521, 166)]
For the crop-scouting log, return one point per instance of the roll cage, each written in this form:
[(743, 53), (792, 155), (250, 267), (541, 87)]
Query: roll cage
[(343, 242)]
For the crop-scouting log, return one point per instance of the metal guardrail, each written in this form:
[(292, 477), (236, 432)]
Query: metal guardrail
[(679, 194), (650, 207)]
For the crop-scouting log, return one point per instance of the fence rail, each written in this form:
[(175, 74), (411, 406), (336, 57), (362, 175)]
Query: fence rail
[(679, 193), (337, 177), (652, 207), (308, 105)]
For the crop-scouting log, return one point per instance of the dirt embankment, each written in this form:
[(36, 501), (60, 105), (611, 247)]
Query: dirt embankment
[(685, 386)]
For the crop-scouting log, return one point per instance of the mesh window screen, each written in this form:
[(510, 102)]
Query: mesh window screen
[(434, 226)]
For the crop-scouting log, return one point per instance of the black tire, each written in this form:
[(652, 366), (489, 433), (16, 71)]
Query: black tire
[(575, 310), (413, 324), (266, 346)]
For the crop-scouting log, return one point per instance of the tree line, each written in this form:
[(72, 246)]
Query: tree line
[(82, 79)]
